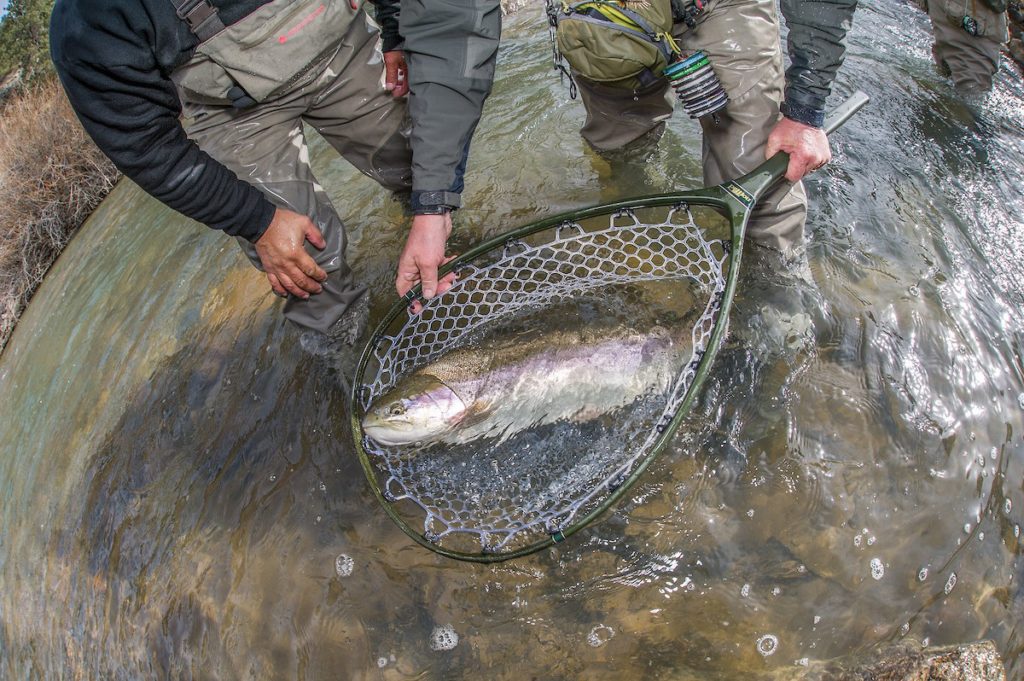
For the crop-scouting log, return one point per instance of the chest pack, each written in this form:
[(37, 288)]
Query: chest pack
[(622, 43)]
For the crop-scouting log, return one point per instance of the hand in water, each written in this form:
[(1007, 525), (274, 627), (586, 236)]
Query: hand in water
[(283, 256), (396, 73), (807, 147), (423, 255)]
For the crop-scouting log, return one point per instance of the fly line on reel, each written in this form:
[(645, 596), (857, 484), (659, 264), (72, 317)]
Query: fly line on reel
[(504, 496)]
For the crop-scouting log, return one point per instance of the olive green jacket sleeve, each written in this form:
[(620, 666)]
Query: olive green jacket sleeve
[(451, 49), (817, 46)]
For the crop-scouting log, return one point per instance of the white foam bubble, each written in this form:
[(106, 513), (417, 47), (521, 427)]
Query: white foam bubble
[(950, 583), (768, 644), (1007, 507), (745, 590), (922, 574), (344, 564), (877, 569), (600, 635), (444, 637)]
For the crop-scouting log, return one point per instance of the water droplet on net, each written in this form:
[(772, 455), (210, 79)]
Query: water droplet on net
[(444, 637), (767, 644), (1007, 507), (382, 662), (745, 590), (600, 635)]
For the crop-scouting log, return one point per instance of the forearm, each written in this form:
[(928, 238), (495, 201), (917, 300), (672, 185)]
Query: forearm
[(137, 127), (817, 47), (451, 50)]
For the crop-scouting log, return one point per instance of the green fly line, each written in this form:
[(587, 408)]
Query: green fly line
[(539, 488)]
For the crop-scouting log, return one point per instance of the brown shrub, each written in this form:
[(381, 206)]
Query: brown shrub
[(51, 178)]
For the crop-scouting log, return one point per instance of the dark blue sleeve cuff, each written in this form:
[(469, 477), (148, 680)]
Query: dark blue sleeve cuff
[(432, 202), (803, 114)]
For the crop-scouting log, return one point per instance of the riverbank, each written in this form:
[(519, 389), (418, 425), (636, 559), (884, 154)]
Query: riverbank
[(51, 179)]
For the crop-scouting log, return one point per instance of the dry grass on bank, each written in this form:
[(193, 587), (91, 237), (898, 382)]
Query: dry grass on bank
[(51, 178)]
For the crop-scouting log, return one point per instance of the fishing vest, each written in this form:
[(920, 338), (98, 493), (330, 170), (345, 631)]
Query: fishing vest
[(623, 43), (264, 53)]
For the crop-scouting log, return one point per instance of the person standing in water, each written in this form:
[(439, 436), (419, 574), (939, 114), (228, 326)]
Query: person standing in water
[(202, 103), (768, 110), (969, 37)]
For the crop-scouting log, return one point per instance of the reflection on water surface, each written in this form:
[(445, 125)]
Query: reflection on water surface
[(180, 499)]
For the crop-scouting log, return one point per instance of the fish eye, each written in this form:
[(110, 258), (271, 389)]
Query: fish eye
[(396, 409)]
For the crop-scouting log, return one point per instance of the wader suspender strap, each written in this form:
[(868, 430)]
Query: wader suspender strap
[(200, 16), (203, 21)]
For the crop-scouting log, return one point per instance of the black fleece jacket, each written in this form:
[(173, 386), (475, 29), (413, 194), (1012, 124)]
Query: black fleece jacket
[(114, 58)]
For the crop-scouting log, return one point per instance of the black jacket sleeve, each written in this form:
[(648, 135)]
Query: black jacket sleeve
[(386, 13), (130, 108), (817, 46)]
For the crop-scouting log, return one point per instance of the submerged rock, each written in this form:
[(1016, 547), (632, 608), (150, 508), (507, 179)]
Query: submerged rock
[(978, 661)]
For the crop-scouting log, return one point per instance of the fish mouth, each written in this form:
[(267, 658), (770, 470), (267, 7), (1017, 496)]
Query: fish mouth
[(423, 417)]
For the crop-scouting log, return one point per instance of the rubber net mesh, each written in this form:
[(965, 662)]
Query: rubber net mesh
[(494, 497)]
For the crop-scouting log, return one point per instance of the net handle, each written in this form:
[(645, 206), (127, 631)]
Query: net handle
[(762, 178)]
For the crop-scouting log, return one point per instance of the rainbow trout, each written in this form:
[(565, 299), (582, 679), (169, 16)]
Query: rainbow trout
[(499, 388)]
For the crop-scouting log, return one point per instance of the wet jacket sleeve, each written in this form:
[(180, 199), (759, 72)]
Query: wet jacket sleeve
[(386, 14), (817, 46), (451, 48), (131, 110)]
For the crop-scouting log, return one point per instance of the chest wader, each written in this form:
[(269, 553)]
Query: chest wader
[(969, 35), (751, 72), (250, 87)]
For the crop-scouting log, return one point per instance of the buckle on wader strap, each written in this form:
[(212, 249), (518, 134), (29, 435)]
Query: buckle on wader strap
[(687, 11), (200, 16), (203, 21)]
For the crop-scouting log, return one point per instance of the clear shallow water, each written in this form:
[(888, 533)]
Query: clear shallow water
[(180, 499)]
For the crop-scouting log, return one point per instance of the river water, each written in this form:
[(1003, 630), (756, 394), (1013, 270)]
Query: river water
[(180, 498)]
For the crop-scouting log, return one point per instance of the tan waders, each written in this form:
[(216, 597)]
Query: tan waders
[(968, 39), (329, 75), (742, 41)]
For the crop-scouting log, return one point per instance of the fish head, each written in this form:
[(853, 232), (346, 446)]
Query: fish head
[(420, 409)]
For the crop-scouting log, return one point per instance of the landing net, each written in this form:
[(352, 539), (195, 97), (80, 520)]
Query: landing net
[(542, 484)]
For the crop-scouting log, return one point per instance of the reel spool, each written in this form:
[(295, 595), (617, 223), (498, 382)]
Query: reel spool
[(698, 87)]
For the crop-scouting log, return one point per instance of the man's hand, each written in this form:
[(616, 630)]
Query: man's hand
[(281, 249), (807, 147), (423, 255), (396, 73)]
